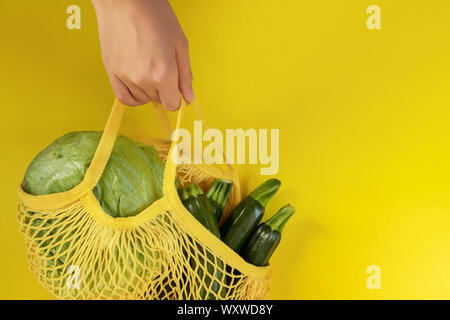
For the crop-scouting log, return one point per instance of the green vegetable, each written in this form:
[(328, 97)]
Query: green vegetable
[(197, 204), (132, 179), (248, 214), (218, 195), (263, 242)]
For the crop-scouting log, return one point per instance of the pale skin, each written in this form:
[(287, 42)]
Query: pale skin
[(145, 52)]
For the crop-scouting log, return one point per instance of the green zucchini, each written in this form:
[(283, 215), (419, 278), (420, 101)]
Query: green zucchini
[(198, 205), (195, 201), (263, 242), (248, 213), (218, 195)]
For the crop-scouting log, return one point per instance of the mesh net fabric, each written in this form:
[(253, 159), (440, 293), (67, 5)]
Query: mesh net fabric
[(76, 255)]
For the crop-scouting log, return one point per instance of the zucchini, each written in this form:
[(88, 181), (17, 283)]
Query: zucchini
[(218, 195), (195, 201), (248, 214), (198, 205), (262, 244)]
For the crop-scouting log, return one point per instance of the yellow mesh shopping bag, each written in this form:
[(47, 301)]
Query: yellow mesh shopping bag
[(77, 251)]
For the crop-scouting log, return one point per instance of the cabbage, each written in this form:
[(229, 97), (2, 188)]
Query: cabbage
[(132, 179)]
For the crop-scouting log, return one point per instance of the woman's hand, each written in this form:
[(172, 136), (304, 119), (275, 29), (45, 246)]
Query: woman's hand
[(145, 52)]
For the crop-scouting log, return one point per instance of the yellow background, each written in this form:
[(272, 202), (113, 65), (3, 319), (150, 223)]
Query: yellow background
[(363, 117)]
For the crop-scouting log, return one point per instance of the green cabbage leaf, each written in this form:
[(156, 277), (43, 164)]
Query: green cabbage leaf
[(132, 179)]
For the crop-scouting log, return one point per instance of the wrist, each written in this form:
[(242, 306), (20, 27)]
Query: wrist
[(104, 3)]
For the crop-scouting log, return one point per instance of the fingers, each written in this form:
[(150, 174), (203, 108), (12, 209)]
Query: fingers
[(153, 94), (161, 84), (145, 85), (122, 92), (138, 93), (167, 85), (184, 72)]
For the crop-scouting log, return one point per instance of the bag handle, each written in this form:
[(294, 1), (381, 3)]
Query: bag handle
[(93, 173), (101, 157), (109, 135), (171, 166), (106, 144)]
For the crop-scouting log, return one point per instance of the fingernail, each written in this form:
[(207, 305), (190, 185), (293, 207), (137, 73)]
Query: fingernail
[(189, 95)]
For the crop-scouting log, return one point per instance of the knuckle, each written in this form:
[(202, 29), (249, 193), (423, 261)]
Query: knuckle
[(140, 79), (162, 75)]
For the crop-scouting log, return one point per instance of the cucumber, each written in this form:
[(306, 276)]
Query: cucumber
[(218, 195), (248, 214), (198, 205), (263, 242)]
